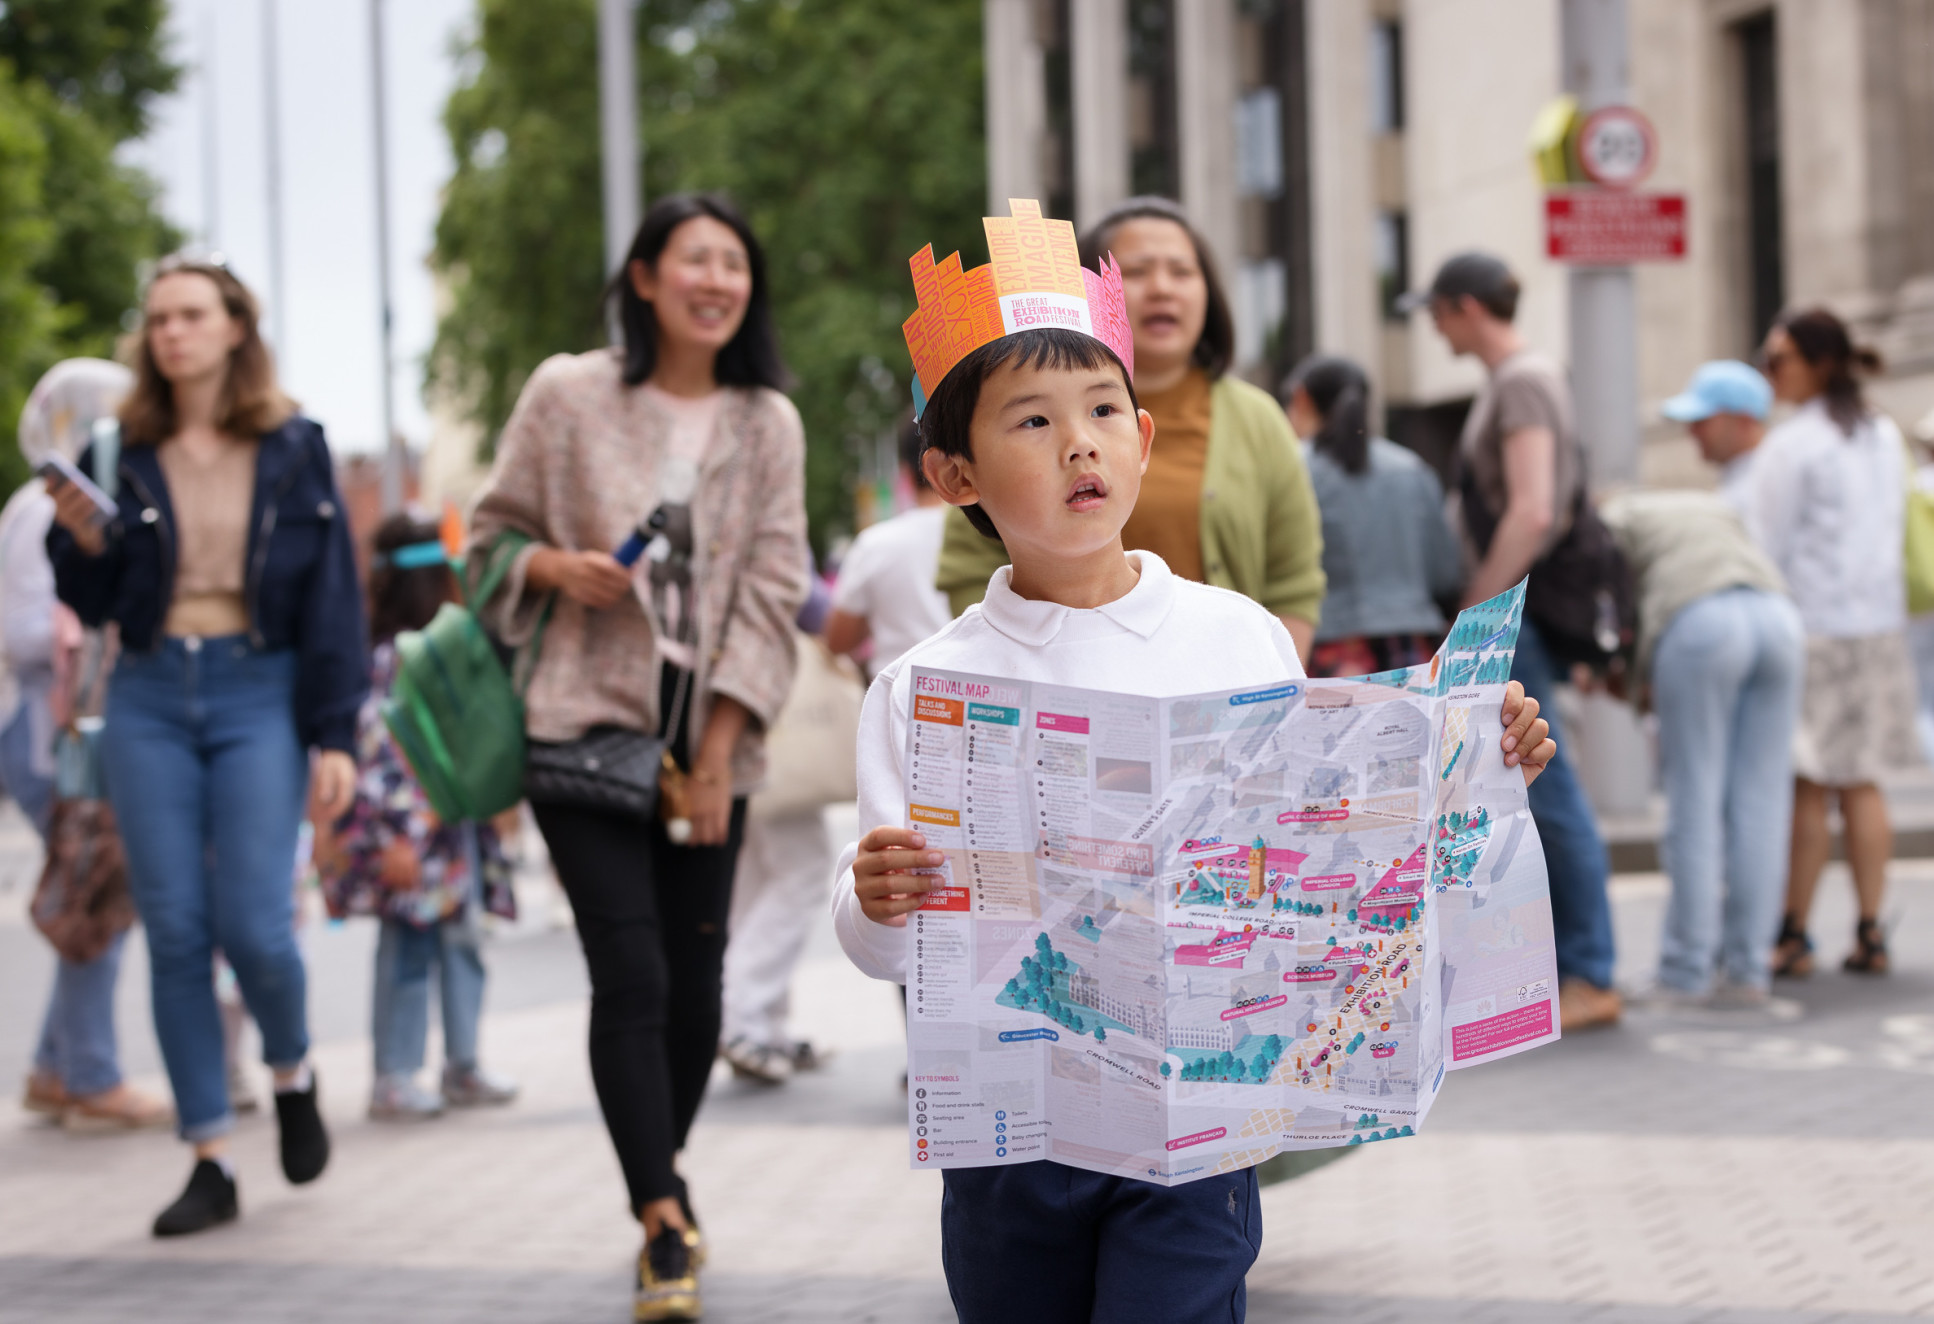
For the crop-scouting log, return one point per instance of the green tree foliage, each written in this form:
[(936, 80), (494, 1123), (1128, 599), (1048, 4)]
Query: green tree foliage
[(520, 237), (27, 313), (102, 57), (105, 224), (850, 134), (77, 78)]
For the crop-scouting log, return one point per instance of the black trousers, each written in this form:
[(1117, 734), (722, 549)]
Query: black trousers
[(651, 920)]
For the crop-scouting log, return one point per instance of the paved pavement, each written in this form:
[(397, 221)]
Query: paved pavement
[(1773, 1167)]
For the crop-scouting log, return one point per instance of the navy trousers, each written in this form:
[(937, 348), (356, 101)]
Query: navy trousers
[(1056, 1245), (1575, 860)]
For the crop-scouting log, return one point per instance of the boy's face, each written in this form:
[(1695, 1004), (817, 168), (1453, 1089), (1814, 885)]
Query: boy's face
[(1059, 455)]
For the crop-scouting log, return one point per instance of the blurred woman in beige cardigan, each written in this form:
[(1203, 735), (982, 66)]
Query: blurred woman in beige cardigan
[(689, 413)]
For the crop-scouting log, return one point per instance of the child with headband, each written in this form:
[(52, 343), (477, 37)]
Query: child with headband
[(428, 881)]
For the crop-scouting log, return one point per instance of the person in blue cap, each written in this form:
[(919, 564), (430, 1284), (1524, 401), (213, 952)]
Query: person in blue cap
[(1724, 407), (1720, 656)]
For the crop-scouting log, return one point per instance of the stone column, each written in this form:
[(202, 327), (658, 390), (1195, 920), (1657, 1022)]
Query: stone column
[(1206, 76), (1342, 192), (1017, 102), (1098, 59)]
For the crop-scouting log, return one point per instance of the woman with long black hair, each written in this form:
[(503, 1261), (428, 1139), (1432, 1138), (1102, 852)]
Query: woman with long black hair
[(1388, 555), (687, 422)]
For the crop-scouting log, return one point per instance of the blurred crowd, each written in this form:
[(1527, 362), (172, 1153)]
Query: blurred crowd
[(202, 694)]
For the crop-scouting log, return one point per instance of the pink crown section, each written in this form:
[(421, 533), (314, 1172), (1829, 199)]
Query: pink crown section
[(1033, 280)]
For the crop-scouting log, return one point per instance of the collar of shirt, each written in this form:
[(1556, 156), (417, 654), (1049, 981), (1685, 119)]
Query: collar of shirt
[(1140, 611)]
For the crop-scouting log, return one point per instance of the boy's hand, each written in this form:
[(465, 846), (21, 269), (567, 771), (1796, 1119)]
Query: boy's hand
[(1527, 737), (883, 876)]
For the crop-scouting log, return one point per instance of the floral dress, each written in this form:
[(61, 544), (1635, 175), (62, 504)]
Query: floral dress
[(391, 806)]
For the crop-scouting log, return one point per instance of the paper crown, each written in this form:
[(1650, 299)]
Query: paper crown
[(1033, 281)]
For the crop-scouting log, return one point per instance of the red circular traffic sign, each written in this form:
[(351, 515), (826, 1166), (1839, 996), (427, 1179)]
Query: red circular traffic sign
[(1617, 146)]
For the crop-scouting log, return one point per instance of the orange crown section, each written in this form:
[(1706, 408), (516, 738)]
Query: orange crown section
[(958, 313)]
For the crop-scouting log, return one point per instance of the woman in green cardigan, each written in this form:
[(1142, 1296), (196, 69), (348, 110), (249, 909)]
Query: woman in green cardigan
[(1227, 499)]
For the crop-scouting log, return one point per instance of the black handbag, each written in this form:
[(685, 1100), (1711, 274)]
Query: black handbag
[(608, 767)]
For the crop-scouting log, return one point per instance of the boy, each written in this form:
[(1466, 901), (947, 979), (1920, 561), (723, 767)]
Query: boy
[(1037, 434)]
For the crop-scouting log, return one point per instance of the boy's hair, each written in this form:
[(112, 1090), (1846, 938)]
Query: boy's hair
[(405, 599), (912, 448), (947, 424)]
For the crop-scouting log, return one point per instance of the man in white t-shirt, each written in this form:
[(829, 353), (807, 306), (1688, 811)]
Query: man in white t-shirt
[(885, 591)]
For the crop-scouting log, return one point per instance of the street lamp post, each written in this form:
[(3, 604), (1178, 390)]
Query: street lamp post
[(1604, 302), (272, 176), (618, 125), (394, 455)]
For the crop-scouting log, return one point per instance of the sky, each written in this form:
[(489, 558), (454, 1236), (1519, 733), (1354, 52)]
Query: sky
[(208, 148)]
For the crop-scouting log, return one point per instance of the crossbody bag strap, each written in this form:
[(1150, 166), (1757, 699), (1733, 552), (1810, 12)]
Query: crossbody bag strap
[(669, 726), (107, 456), (95, 666), (96, 650)]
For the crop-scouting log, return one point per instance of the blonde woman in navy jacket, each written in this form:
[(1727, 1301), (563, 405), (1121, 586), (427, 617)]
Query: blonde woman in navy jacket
[(227, 566)]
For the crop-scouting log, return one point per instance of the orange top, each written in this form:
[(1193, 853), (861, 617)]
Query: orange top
[(1167, 519)]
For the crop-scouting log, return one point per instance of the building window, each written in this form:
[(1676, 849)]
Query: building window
[(1288, 319), (1259, 143), (1386, 76), (1760, 90), (1057, 165), (1154, 141), (1393, 261)]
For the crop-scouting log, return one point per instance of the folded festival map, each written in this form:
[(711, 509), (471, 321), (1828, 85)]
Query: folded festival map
[(1176, 936)]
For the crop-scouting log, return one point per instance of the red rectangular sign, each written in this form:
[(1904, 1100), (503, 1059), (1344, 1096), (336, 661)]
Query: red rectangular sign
[(1606, 227)]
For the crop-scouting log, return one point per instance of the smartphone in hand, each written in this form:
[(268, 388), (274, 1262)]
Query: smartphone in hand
[(58, 469)]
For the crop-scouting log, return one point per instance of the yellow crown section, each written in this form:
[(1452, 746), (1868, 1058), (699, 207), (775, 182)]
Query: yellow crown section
[(1033, 255)]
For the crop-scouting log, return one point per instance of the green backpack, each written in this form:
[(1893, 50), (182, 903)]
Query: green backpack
[(454, 710)]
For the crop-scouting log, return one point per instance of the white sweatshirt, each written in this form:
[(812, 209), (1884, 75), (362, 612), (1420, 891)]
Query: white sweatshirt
[(1164, 637), (1830, 511)]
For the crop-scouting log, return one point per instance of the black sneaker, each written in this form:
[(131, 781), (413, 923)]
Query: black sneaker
[(209, 1200), (667, 1279), (305, 1144)]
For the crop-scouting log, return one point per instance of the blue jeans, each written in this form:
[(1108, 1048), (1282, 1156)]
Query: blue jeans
[(1726, 686), (77, 1045), (208, 778), (1057, 1245), (400, 1012), (1575, 860)]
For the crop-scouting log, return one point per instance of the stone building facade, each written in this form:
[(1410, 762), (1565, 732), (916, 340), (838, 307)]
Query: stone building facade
[(1334, 151)]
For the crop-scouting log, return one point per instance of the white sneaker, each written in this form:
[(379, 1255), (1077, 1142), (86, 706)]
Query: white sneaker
[(1729, 996), (760, 1062), (808, 1056), (473, 1087), (1664, 997), (398, 1098)]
